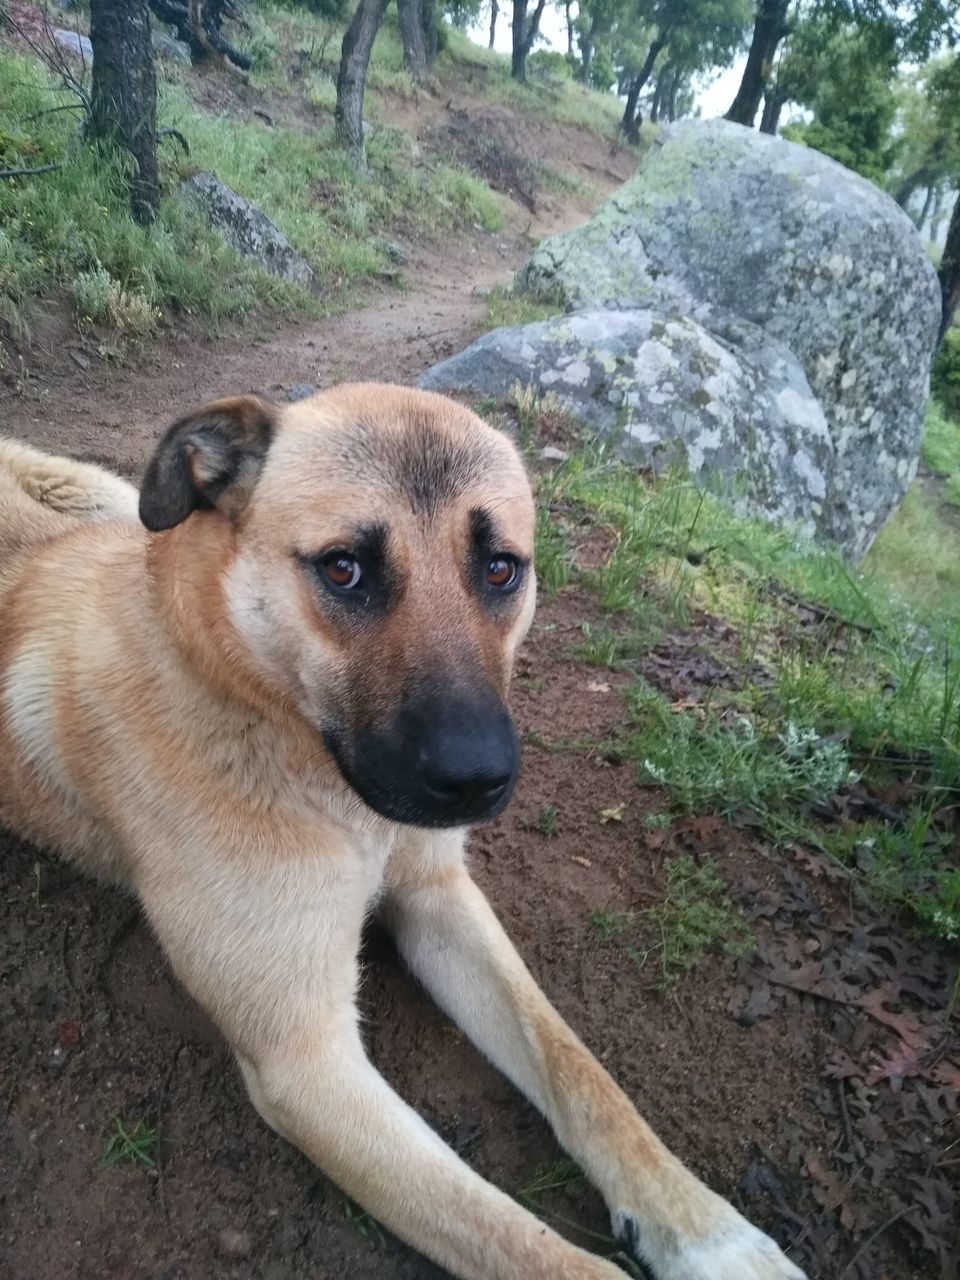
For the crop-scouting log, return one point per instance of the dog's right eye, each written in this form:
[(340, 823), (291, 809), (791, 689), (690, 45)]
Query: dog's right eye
[(341, 571)]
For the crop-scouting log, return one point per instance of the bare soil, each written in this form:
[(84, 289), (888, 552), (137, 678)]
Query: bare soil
[(758, 1079)]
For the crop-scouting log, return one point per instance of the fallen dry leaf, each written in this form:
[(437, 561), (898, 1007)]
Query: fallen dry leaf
[(581, 862), (614, 814), (896, 1066), (599, 686)]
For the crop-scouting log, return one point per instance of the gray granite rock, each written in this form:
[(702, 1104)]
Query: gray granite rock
[(245, 227), (723, 224), (741, 417)]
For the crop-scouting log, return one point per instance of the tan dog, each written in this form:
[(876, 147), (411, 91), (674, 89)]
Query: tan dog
[(279, 706)]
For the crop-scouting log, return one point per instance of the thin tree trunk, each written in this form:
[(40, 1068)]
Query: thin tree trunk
[(586, 56), (352, 76), (198, 24), (657, 97), (936, 214), (913, 182), (927, 206), (524, 34), (568, 7), (773, 104), (949, 273), (494, 13), (418, 32), (630, 124), (123, 98), (672, 95), (769, 29)]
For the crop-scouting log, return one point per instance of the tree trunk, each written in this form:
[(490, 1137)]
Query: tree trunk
[(568, 7), (949, 273), (123, 100), (773, 104), (198, 24), (352, 76), (494, 13), (769, 29), (418, 32), (586, 56), (657, 97), (524, 34), (927, 206), (672, 95), (630, 124), (913, 182), (936, 213)]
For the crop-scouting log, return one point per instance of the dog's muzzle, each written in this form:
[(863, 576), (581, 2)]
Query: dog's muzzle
[(443, 762)]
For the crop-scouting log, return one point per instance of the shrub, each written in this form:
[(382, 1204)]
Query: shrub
[(102, 300), (945, 375)]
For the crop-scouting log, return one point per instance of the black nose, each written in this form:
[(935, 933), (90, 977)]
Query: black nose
[(466, 792), (448, 759)]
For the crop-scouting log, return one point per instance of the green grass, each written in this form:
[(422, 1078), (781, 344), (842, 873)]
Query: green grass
[(918, 554), (860, 682), (506, 307), (136, 1144), (941, 442), (462, 65), (57, 228), (558, 1176), (367, 1227), (695, 919), (547, 821)]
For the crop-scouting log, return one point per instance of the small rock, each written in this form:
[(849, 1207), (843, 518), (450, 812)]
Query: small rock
[(74, 43), (550, 453), (391, 249), (245, 227), (235, 1244), (300, 391), (79, 359), (168, 47)]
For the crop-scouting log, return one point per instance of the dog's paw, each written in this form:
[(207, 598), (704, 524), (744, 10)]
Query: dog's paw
[(737, 1251)]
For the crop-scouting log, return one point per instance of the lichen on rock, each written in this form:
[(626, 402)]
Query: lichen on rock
[(760, 241)]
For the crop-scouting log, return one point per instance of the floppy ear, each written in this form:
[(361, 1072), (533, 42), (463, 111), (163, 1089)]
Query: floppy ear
[(210, 458)]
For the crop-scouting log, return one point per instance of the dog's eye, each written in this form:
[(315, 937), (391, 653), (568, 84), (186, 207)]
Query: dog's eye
[(502, 572), (341, 571)]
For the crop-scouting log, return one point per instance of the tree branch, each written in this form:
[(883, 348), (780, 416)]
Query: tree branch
[(23, 173)]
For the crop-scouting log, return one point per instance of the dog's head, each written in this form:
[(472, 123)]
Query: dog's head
[(376, 572)]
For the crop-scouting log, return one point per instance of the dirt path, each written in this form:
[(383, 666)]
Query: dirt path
[(103, 413)]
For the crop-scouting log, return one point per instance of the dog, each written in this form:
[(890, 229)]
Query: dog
[(274, 703)]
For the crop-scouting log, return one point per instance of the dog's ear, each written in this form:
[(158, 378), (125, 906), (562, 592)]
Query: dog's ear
[(210, 458)]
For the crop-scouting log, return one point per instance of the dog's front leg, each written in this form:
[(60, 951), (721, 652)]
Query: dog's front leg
[(450, 937), (273, 960)]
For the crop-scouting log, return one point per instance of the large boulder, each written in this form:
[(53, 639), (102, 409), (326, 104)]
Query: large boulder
[(245, 227), (739, 414), (722, 224)]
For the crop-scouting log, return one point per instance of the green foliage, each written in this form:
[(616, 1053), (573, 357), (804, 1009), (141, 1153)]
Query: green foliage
[(695, 918), (875, 683), (547, 821), (102, 300), (728, 767), (918, 553), (945, 376), (506, 306), (136, 1144), (848, 82), (73, 227), (548, 64)]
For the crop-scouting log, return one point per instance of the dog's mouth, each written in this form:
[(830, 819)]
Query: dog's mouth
[(448, 767)]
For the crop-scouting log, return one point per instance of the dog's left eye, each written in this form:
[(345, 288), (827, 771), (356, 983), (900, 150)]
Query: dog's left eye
[(342, 571), (502, 572)]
